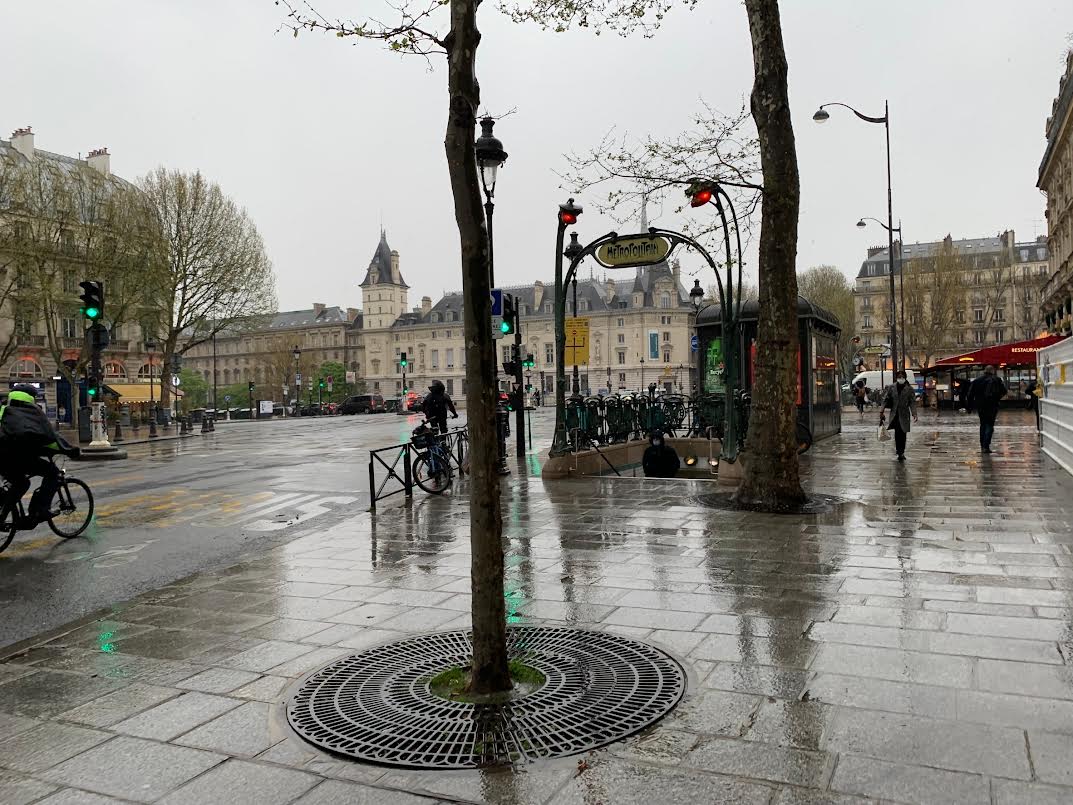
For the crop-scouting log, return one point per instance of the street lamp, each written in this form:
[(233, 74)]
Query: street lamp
[(901, 277), (150, 345), (696, 297), (822, 116), (570, 252), (490, 157)]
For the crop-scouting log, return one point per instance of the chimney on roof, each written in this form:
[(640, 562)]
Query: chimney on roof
[(99, 160), (396, 277), (538, 295), (352, 314), (609, 288), (874, 250), (318, 308), (426, 305), (22, 140), (676, 270)]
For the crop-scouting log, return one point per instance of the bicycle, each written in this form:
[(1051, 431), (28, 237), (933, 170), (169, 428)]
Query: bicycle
[(432, 465), (70, 511), (742, 409)]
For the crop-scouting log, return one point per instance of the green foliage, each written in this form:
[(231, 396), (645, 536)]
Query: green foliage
[(829, 288), (195, 389)]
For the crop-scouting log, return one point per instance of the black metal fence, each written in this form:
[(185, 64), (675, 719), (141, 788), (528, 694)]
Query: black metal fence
[(615, 418), (387, 478)]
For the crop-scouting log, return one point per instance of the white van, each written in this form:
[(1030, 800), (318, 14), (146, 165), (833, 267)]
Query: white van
[(871, 379)]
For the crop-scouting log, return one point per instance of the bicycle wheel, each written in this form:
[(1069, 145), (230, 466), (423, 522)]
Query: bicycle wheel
[(804, 438), (431, 473), (8, 524), (72, 508)]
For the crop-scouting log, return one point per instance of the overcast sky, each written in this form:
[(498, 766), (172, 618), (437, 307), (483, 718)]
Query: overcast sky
[(322, 140)]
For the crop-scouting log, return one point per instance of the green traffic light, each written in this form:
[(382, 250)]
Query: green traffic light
[(91, 312), (505, 327), (92, 392)]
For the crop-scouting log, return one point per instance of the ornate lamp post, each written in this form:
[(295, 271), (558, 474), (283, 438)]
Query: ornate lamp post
[(150, 346), (901, 277), (822, 116), (297, 353), (490, 157), (573, 250), (696, 297)]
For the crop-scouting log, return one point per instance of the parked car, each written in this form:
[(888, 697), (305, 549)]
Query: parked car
[(413, 401), (363, 404)]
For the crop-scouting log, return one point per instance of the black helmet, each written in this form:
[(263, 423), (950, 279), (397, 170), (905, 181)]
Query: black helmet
[(437, 387), (26, 388)]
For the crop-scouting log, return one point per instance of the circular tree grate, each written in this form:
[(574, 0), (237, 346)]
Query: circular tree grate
[(376, 706)]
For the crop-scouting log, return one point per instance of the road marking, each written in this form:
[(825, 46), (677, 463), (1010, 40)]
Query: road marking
[(306, 511)]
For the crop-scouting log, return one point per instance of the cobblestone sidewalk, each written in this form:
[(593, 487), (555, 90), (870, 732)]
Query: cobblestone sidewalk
[(913, 645)]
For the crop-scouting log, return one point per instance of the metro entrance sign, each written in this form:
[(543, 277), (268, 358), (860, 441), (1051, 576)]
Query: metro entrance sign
[(633, 250)]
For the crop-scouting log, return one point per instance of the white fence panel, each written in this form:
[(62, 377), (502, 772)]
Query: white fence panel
[(1055, 368)]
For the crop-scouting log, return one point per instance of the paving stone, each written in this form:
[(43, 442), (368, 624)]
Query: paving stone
[(71, 796), (1025, 678), (880, 694), (46, 745), (790, 651), (244, 732), (1052, 757), (636, 784), (897, 618), (902, 666), (132, 768), (289, 629), (176, 716), (715, 712), (1017, 711), (218, 680), (1022, 628), (915, 740), (882, 780), (810, 796), (44, 693), (240, 781), (800, 725), (654, 618), (123, 703), (763, 679), (267, 655), (760, 761), (309, 662), (13, 725), (1010, 792), (337, 792), (265, 689), (15, 789)]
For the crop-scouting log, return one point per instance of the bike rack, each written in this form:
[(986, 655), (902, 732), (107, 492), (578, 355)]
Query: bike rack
[(456, 438)]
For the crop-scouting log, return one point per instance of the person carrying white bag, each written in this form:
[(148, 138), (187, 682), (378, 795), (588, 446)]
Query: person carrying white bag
[(902, 402)]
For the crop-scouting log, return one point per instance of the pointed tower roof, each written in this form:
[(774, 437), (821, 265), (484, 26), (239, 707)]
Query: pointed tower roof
[(380, 266)]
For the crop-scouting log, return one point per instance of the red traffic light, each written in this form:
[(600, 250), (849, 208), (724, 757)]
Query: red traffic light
[(567, 218), (568, 213), (701, 197)]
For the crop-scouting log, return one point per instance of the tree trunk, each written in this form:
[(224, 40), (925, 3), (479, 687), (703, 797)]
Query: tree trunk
[(488, 673), (771, 478)]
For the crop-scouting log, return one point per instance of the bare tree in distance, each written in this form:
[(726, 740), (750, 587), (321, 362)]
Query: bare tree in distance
[(423, 29), (934, 296), (213, 273), (829, 288), (771, 473)]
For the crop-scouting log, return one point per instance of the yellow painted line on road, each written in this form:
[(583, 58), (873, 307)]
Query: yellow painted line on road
[(22, 548)]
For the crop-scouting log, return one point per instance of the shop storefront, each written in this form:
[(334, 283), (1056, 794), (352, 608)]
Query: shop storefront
[(818, 381), (947, 382)]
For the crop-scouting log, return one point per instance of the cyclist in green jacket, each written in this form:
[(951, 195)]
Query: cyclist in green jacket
[(26, 438)]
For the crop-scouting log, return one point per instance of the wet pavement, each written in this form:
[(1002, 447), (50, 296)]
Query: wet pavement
[(914, 644)]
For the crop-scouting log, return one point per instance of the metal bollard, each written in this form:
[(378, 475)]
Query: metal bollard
[(204, 424), (212, 424), (118, 432), (182, 426)]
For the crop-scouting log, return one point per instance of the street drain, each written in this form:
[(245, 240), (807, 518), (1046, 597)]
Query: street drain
[(376, 706)]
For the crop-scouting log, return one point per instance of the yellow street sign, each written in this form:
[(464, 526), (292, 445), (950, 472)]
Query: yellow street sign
[(633, 250), (577, 341)]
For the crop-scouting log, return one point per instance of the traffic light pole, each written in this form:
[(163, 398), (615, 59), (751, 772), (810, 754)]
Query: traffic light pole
[(519, 391), (98, 424)]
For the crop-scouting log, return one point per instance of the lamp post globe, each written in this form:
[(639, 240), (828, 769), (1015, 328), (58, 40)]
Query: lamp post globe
[(490, 155), (861, 224), (696, 294), (821, 115)]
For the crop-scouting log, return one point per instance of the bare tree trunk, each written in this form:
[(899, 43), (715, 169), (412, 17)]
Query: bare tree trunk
[(771, 477), (489, 673)]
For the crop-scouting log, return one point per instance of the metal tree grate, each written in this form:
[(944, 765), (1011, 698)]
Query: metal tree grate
[(376, 706)]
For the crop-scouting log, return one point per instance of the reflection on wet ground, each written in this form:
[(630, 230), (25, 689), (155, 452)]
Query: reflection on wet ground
[(913, 644)]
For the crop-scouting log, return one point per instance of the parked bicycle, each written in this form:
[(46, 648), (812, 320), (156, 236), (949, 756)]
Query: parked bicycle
[(70, 510), (432, 467), (743, 403)]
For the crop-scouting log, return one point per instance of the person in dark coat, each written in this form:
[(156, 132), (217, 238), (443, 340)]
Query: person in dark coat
[(437, 404), (902, 402), (984, 395), (26, 438), (660, 459)]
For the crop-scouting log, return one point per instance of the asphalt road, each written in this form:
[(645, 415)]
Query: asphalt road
[(182, 506)]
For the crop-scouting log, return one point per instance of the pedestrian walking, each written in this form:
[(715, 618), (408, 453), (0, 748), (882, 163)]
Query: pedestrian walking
[(985, 392), (902, 402), (860, 394)]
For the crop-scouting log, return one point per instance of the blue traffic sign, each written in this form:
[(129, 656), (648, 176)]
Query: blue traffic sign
[(497, 301), (694, 344)]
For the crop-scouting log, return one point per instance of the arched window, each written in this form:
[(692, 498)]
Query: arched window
[(665, 300), (227, 377), (114, 371), (26, 367), (454, 315), (144, 372)]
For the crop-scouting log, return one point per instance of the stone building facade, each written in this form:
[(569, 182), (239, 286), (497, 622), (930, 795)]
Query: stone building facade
[(640, 331), (998, 298), (1056, 180)]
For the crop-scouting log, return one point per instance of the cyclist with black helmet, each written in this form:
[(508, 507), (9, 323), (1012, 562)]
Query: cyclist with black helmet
[(26, 439), (436, 405)]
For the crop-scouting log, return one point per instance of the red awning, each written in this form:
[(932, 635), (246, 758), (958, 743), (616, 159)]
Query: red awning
[(1018, 353)]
